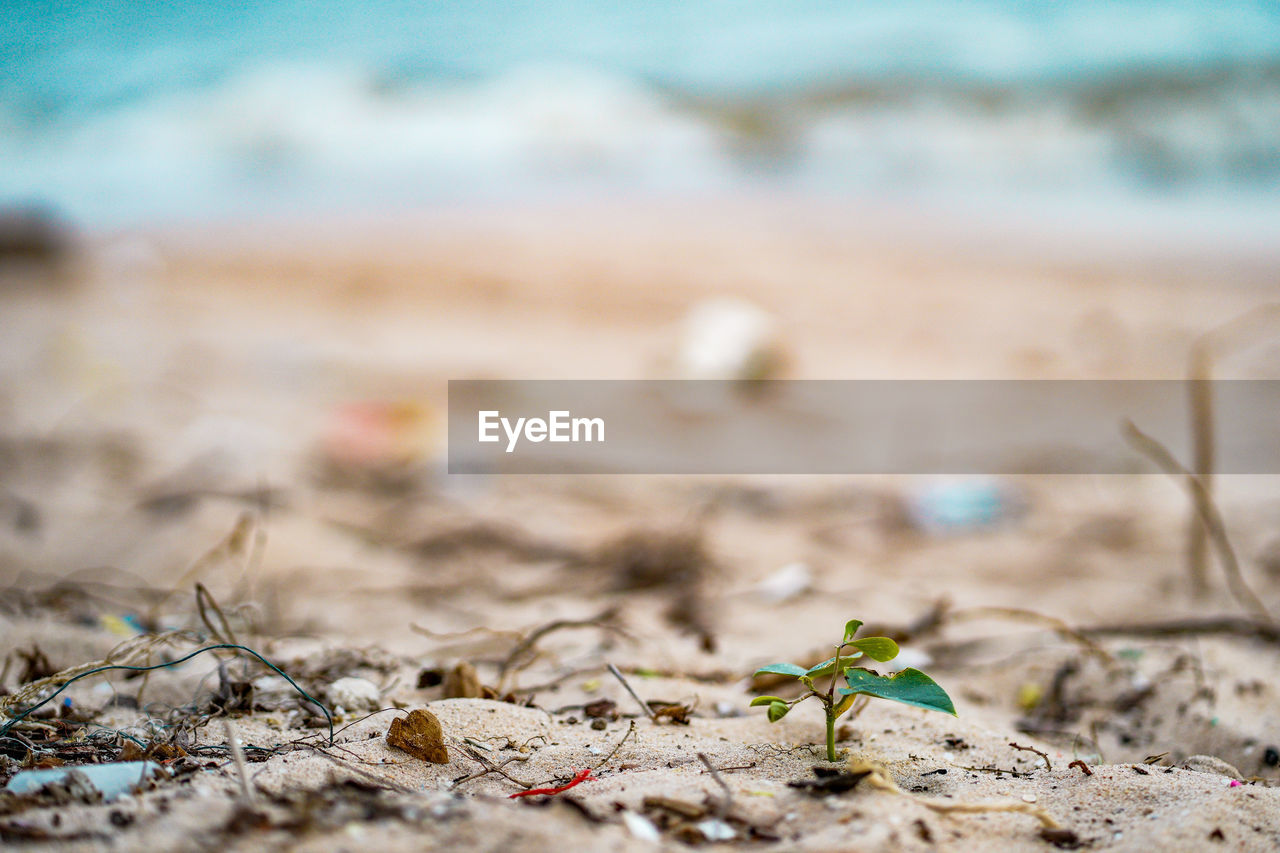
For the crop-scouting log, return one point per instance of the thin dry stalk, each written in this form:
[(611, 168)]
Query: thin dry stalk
[(1208, 513), (521, 655), (722, 808), (1213, 345), (643, 704), (233, 546), (602, 762), (878, 777), (237, 757), (1240, 626), (1021, 615), (205, 603)]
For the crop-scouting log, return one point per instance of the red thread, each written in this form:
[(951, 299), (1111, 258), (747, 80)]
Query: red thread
[(581, 777)]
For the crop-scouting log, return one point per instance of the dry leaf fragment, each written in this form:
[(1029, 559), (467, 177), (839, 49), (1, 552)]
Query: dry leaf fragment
[(420, 735), (130, 752), (601, 708), (674, 712)]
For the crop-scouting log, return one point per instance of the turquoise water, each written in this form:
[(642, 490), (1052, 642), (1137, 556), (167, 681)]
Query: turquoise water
[(127, 111)]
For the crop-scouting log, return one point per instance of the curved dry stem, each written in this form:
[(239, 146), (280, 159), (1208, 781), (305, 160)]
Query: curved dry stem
[(128, 653), (878, 777), (1031, 616)]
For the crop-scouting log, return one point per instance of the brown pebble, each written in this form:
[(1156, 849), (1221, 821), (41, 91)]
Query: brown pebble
[(461, 682), (420, 735)]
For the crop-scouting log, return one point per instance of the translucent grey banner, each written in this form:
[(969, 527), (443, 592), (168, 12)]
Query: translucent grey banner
[(855, 426)]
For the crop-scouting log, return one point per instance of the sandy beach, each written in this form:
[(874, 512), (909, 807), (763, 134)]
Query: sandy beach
[(192, 405)]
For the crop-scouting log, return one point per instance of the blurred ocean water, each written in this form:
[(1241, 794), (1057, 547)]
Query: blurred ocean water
[(119, 111)]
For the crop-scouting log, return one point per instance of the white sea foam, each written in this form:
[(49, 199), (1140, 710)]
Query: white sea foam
[(310, 104), (321, 133)]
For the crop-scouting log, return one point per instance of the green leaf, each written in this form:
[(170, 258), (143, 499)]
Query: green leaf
[(778, 710), (764, 700), (783, 669), (828, 666), (910, 687), (850, 628), (877, 648)]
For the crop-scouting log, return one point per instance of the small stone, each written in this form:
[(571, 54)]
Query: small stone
[(420, 735), (461, 682), (599, 724), (1062, 837), (354, 694), (1211, 764)]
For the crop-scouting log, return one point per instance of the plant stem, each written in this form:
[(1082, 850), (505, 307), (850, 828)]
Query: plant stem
[(830, 703), (831, 690), (831, 734)]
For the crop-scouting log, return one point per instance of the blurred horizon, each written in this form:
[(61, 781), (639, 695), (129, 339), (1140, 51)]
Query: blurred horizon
[(117, 113)]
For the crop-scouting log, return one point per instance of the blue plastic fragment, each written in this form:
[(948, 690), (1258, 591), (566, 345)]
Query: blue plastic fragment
[(112, 780), (961, 505)]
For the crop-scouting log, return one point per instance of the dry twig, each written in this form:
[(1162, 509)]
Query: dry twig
[(722, 808), (602, 762), (643, 704), (1047, 763), (519, 656)]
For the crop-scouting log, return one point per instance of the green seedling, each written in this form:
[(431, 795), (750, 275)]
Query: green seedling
[(909, 686)]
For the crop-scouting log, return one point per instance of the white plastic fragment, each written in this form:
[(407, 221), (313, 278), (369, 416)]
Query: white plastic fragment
[(111, 780), (641, 827), (909, 657), (716, 830), (788, 582), (727, 338), (354, 694), (728, 709)]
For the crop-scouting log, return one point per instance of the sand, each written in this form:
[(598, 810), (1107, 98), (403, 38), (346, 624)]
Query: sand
[(174, 380)]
